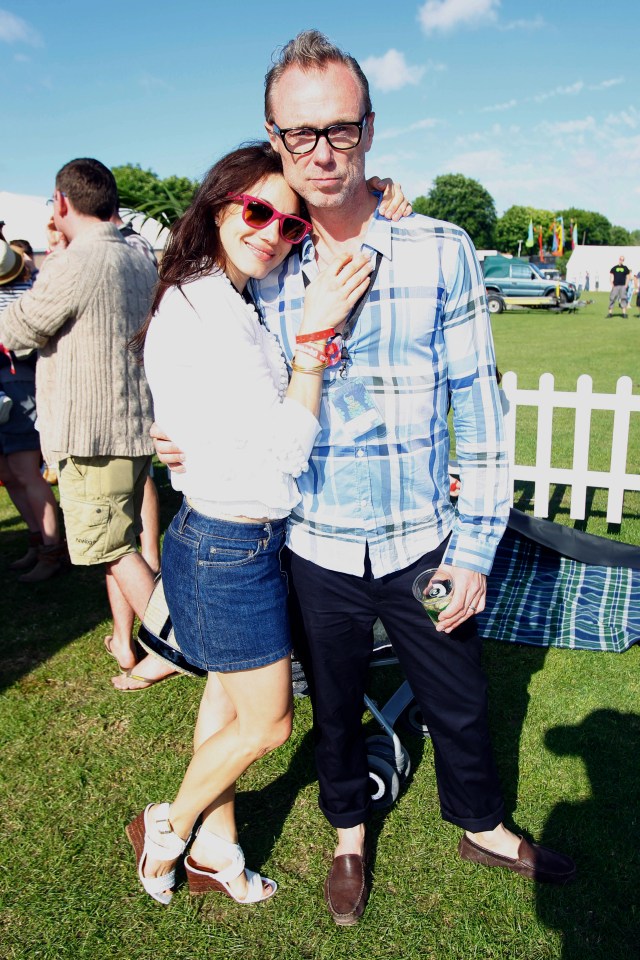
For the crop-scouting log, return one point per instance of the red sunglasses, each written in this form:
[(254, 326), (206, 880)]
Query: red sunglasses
[(259, 214)]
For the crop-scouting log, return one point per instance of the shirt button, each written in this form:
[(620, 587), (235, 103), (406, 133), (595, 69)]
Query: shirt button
[(363, 503), (360, 452)]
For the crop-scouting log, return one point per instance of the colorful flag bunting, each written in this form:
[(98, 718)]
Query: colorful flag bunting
[(529, 242), (560, 236)]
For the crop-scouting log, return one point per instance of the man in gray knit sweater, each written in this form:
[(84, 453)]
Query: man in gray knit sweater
[(93, 403)]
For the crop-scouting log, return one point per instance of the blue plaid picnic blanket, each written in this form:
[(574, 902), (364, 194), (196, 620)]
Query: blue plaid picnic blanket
[(554, 586)]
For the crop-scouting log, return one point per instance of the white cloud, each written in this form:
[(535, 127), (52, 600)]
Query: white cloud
[(465, 140), (391, 72), (500, 106), (16, 30), (606, 84), (569, 90), (536, 24), (482, 165), (427, 124), (396, 159), (550, 165), (625, 118), (150, 82), (630, 150), (489, 135), (446, 15), (567, 127)]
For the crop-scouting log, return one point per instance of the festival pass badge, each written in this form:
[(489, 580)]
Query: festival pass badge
[(355, 408)]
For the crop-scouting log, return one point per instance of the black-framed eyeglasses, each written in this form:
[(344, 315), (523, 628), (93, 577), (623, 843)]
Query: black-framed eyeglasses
[(340, 136)]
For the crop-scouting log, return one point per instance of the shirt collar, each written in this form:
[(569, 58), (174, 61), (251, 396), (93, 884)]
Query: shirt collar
[(378, 238)]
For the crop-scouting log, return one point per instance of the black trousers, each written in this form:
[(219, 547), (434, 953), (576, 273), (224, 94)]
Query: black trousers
[(445, 674)]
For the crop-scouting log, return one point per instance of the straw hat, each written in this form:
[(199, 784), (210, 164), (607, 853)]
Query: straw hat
[(11, 262)]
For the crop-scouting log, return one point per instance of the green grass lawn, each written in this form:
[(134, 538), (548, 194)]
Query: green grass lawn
[(79, 761), (568, 344)]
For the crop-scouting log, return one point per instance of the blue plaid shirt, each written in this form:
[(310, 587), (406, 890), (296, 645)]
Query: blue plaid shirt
[(422, 342)]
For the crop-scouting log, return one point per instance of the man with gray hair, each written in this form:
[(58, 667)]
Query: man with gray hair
[(375, 507)]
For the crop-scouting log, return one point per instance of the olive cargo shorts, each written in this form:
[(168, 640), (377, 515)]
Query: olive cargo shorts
[(101, 498)]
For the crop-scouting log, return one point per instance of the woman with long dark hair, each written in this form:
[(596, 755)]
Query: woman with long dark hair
[(221, 389)]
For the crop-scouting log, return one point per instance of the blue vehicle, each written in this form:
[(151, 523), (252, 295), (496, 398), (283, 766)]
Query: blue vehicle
[(512, 277)]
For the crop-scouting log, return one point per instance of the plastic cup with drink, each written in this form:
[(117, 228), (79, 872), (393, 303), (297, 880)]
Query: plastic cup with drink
[(433, 589)]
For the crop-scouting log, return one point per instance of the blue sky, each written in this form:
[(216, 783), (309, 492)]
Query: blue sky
[(537, 101)]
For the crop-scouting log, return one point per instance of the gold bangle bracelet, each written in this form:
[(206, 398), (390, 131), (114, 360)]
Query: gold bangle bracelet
[(322, 364), (298, 369)]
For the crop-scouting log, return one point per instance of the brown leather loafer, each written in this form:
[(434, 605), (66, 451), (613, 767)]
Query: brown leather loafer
[(346, 890), (533, 861)]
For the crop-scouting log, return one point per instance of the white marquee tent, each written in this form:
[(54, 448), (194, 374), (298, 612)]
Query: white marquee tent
[(26, 218), (598, 261)]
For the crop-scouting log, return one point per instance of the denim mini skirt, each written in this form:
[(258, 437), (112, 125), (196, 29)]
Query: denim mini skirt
[(225, 590)]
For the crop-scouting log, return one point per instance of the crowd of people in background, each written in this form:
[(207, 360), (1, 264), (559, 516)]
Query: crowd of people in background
[(94, 412), (20, 453)]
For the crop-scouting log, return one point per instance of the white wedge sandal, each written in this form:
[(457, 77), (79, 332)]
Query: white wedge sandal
[(204, 880), (167, 846)]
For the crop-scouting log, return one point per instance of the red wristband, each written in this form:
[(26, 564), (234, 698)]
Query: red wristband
[(318, 335)]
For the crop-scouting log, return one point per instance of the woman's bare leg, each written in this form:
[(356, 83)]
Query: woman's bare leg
[(258, 718), (25, 467), (18, 495), (150, 519), (215, 712)]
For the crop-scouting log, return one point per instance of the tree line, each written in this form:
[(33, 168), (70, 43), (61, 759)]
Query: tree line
[(465, 202), (452, 197)]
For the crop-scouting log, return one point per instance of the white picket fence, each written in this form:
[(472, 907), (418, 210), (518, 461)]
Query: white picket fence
[(616, 480)]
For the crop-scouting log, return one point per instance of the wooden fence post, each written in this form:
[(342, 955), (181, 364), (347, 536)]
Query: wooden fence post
[(581, 443), (616, 480)]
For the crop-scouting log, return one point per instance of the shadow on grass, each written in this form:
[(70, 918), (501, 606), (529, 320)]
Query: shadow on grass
[(524, 500), (509, 669), (599, 914), (261, 814), (38, 620), (41, 619), (560, 508)]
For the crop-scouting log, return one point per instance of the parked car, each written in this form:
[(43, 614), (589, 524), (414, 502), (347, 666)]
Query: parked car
[(546, 267), (512, 277)]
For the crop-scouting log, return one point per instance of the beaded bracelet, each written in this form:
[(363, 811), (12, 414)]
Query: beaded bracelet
[(318, 335)]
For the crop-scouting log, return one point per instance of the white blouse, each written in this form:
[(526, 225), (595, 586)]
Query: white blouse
[(218, 379)]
